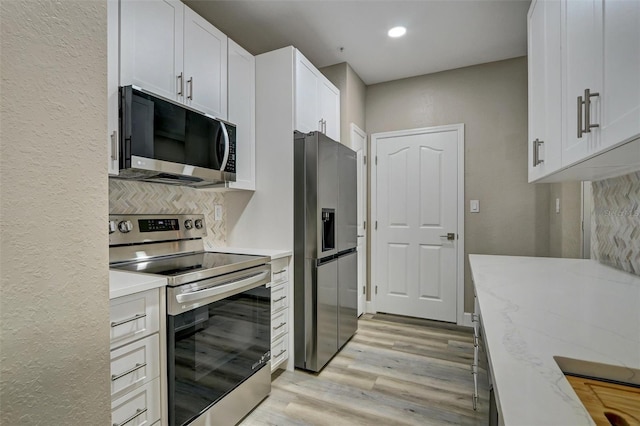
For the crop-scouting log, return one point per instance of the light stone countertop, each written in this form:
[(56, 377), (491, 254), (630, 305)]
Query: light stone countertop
[(533, 309), (272, 253), (126, 283)]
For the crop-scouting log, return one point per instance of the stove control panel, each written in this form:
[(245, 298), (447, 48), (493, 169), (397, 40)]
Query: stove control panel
[(135, 229)]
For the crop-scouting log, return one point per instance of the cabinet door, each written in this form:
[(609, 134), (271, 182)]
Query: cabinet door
[(582, 69), (621, 92), (329, 108), (113, 64), (151, 40), (545, 97), (242, 107), (306, 107), (205, 65)]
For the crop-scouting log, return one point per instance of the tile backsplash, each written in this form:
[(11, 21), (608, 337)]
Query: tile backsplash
[(132, 197), (615, 238)]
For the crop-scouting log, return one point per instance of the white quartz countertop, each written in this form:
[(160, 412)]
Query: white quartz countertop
[(533, 309), (126, 283), (272, 253)]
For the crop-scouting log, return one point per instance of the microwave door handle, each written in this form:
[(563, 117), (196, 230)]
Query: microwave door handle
[(224, 290), (225, 158)]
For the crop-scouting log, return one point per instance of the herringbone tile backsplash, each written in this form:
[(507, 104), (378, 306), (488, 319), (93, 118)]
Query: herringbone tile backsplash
[(132, 197), (615, 237)]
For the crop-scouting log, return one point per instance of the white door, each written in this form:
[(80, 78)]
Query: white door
[(205, 65), (151, 41), (359, 145), (416, 207)]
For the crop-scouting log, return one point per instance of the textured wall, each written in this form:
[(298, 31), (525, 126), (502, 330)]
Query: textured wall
[(615, 237), (491, 101), (565, 233), (130, 197), (54, 302)]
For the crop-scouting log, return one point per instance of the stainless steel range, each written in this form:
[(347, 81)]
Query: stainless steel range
[(218, 315)]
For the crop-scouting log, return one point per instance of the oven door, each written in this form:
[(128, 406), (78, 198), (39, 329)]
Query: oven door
[(215, 347)]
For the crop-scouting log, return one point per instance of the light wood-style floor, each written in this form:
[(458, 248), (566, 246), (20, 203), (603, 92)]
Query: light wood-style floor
[(394, 371)]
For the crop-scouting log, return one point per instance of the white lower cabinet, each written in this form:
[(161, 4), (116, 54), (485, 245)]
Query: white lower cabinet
[(279, 312), (136, 358)]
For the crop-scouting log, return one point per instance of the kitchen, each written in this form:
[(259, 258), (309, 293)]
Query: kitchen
[(67, 210)]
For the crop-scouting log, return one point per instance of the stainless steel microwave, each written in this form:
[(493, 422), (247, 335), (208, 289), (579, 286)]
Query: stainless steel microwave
[(165, 142)]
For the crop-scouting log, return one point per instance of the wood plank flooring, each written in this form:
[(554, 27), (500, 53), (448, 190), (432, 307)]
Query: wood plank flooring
[(394, 371)]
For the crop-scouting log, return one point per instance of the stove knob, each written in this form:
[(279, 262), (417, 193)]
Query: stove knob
[(112, 226), (198, 223), (125, 226), (188, 224)]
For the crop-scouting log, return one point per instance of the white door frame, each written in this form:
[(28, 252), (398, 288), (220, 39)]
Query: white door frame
[(371, 306), (353, 128)]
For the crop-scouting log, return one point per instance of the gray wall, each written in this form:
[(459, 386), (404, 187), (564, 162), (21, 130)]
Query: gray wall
[(565, 231), (54, 335), (491, 101)]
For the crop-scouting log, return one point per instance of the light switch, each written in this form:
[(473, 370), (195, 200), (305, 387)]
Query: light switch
[(474, 206), (217, 212), (557, 205)]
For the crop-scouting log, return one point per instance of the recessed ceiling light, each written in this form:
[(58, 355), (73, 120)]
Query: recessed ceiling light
[(397, 32)]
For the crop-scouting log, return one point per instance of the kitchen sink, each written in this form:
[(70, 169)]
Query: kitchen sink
[(611, 394)]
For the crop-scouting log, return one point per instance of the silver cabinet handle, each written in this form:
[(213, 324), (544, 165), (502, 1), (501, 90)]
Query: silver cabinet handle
[(282, 324), (587, 111), (320, 125), (115, 154), (279, 299), (580, 103), (536, 152), (190, 87), (137, 367), (135, 318), (281, 352), (180, 85), (324, 126), (280, 271), (138, 412)]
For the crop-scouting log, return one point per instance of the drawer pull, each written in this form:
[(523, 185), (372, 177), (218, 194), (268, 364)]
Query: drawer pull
[(280, 271), (282, 324), (138, 366), (138, 412), (279, 299), (135, 318), (281, 352)]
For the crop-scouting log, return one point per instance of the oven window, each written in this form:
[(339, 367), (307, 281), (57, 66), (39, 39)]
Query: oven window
[(214, 348)]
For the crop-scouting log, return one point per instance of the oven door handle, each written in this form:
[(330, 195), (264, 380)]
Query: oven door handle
[(224, 290)]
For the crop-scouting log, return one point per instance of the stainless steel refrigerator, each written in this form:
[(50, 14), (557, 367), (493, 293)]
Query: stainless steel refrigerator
[(325, 259)]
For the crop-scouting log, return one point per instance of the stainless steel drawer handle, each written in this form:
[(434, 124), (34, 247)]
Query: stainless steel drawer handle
[(587, 110), (279, 299), (281, 352), (280, 271), (138, 366), (135, 318), (282, 324), (138, 412)]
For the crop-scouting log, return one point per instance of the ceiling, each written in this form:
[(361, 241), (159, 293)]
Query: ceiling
[(441, 35)]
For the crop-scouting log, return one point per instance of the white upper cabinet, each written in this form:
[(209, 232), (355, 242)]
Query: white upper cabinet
[(242, 113), (600, 104), (205, 65), (545, 96), (317, 100), (151, 43), (169, 50), (113, 63)]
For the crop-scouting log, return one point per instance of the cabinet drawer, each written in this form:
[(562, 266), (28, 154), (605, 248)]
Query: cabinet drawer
[(279, 324), (279, 271), (135, 364), (279, 297), (134, 316), (279, 351), (139, 407)]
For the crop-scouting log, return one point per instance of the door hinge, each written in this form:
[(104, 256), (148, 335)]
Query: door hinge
[(364, 159), (364, 224), (364, 291), (376, 224), (376, 160), (376, 289)]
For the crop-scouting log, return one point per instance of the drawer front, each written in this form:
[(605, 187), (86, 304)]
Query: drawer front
[(134, 316), (135, 364), (279, 351), (279, 271), (279, 324), (279, 297), (139, 407)]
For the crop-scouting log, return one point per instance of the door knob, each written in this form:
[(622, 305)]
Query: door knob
[(450, 236)]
